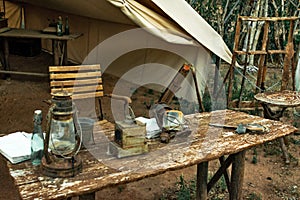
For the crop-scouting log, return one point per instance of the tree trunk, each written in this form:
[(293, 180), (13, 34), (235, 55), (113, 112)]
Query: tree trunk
[(262, 13)]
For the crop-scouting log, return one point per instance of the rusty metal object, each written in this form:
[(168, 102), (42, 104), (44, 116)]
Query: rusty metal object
[(62, 167), (243, 128), (62, 138)]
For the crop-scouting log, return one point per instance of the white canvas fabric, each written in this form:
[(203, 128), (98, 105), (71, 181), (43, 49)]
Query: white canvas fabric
[(142, 41)]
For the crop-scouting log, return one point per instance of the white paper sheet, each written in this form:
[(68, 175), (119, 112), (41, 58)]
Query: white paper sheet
[(16, 147), (152, 127)]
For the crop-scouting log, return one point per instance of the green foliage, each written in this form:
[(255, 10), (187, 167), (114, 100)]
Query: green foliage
[(254, 196), (294, 141), (206, 100), (186, 190), (121, 188), (272, 148), (222, 14), (248, 91), (150, 91), (254, 158), (297, 37)]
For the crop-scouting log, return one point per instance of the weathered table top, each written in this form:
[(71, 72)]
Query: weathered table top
[(284, 98), (27, 33), (100, 170)]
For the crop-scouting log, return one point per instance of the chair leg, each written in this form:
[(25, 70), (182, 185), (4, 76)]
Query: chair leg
[(100, 117)]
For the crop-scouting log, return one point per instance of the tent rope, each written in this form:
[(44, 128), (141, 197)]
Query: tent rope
[(251, 83)]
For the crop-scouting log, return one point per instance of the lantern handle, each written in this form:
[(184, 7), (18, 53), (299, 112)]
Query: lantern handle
[(77, 124), (47, 137)]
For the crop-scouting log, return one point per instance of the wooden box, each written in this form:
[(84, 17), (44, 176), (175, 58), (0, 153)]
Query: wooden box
[(129, 140), (129, 135), (115, 150)]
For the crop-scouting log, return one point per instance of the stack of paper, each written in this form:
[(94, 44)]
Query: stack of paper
[(16, 147), (152, 127)]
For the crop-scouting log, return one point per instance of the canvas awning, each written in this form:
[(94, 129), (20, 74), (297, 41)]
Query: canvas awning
[(184, 23)]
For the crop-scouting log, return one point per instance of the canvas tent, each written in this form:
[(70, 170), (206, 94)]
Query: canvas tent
[(145, 41)]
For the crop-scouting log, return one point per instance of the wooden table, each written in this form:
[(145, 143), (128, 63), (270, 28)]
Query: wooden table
[(204, 143), (282, 99), (59, 46)]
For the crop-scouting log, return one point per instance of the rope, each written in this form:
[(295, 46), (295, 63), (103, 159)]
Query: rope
[(269, 88)]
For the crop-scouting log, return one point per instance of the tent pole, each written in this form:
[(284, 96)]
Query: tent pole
[(197, 90)]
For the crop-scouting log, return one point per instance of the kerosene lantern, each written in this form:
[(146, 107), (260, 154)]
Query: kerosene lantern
[(63, 138)]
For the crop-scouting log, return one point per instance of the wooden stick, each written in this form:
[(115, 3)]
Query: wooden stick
[(23, 73), (197, 90), (222, 170)]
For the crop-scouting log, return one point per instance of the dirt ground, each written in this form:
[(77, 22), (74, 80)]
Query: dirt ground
[(266, 175)]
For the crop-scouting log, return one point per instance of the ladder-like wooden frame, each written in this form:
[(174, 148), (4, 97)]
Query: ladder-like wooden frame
[(263, 52)]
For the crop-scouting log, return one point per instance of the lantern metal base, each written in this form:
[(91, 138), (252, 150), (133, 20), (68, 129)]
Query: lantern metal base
[(60, 167)]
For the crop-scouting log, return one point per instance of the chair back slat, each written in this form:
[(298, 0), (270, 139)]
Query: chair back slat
[(70, 83), (83, 81)]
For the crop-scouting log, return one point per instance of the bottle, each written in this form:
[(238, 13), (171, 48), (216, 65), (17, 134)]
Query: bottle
[(59, 27), (37, 139), (67, 28)]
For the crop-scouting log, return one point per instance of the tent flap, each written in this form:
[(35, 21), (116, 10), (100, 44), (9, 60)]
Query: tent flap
[(153, 22), (186, 17)]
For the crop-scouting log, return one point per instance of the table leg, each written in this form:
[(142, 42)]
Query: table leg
[(202, 175), (269, 114), (65, 53), (55, 51), (237, 176), (221, 171), (4, 58), (6, 54), (284, 150)]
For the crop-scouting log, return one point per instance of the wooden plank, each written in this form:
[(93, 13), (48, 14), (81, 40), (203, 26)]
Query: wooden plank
[(23, 73), (246, 18), (27, 33), (77, 82), (279, 51), (73, 68), (75, 75), (258, 52), (75, 89)]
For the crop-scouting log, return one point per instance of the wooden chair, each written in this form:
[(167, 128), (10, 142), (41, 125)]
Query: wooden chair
[(82, 81)]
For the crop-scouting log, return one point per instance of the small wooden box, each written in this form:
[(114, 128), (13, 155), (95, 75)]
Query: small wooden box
[(115, 150), (129, 135), (129, 140)]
